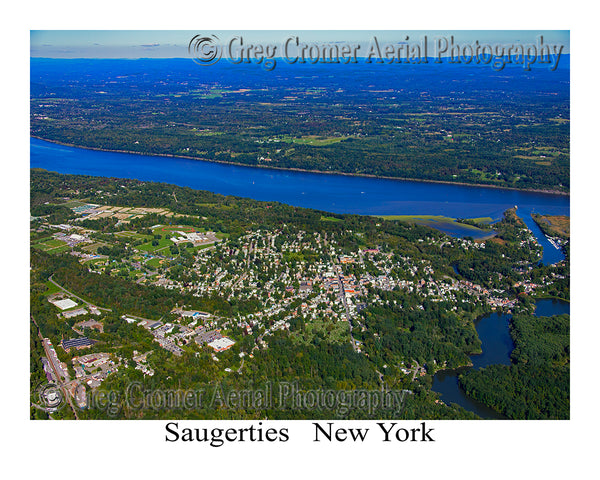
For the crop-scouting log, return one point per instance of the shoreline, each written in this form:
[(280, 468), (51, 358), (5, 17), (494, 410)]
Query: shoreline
[(551, 297), (365, 175)]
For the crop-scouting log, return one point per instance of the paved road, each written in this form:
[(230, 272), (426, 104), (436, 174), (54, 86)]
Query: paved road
[(145, 275), (343, 295), (415, 372), (142, 318), (238, 281)]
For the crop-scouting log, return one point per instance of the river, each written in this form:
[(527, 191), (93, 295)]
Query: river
[(497, 345), (332, 193)]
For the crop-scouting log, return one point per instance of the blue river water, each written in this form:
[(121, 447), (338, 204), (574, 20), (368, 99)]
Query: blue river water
[(332, 193), (497, 346)]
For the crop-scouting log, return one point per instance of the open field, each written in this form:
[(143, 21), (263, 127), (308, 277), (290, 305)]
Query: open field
[(554, 225), (155, 263), (313, 140), (214, 93), (51, 245), (74, 204), (54, 243), (134, 236), (127, 213), (432, 218), (162, 243), (93, 247), (174, 228), (482, 219), (51, 289), (201, 247), (445, 224), (330, 219)]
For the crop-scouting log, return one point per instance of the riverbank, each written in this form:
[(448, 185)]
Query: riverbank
[(270, 167), (497, 345), (550, 297), (449, 225)]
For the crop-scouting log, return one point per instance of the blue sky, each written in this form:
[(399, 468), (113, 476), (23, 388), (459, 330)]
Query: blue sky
[(168, 43)]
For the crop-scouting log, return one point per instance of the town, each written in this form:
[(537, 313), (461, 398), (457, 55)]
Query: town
[(325, 283)]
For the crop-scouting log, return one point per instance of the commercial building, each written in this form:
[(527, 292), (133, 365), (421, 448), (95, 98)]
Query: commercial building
[(75, 313), (64, 304), (78, 343), (207, 337), (221, 344)]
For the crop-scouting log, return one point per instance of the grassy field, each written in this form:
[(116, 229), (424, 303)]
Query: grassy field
[(54, 243), (99, 262), (162, 243), (126, 234), (336, 332), (554, 225), (443, 223), (214, 93), (330, 219), (93, 247), (51, 245), (66, 248), (74, 204), (482, 219), (167, 229), (155, 263), (202, 247), (431, 218), (417, 218), (51, 289), (132, 236), (205, 133), (313, 140)]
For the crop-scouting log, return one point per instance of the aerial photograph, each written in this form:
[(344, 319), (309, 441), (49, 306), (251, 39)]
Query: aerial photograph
[(299, 225)]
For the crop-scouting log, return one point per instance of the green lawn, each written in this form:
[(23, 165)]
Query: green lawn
[(169, 229), (313, 140), (148, 247), (482, 219), (132, 236), (51, 289), (201, 247), (417, 218), (437, 221), (54, 243), (126, 234), (52, 246), (154, 263), (74, 204)]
